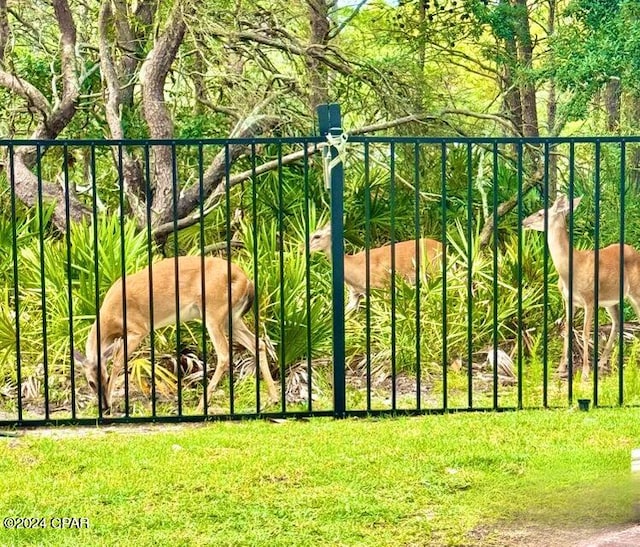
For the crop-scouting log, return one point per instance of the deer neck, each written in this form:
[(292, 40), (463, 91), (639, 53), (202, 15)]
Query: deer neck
[(351, 267), (558, 243)]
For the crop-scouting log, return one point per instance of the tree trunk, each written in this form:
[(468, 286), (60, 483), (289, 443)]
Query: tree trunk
[(552, 112), (54, 119), (130, 42), (153, 75), (525, 57), (634, 155), (319, 22), (612, 97), (133, 181), (512, 102)]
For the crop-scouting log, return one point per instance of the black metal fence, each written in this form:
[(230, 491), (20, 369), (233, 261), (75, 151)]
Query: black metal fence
[(453, 297)]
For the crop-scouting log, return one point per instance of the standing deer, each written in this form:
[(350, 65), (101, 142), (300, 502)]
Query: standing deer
[(355, 265), (138, 319), (583, 278)]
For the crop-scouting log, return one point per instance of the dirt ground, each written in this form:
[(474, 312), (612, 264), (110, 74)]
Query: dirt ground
[(539, 536)]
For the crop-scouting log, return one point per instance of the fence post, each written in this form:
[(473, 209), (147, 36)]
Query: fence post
[(330, 125)]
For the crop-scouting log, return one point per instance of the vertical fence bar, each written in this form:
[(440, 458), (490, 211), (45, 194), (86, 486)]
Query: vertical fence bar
[(469, 234), (623, 190), (16, 291), (43, 294), (65, 169), (392, 234), (256, 271), (96, 270), (227, 199), (545, 282), (203, 277), (367, 252), (596, 274), (330, 123), (519, 273), (307, 276), (282, 354), (494, 215), (152, 334), (123, 266), (176, 266), (570, 299), (443, 192), (419, 261)]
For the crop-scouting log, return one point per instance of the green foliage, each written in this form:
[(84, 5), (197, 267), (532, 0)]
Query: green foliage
[(287, 316), (598, 45), (49, 275)]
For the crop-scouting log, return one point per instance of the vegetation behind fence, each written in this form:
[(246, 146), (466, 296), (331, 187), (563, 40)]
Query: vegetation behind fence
[(478, 330)]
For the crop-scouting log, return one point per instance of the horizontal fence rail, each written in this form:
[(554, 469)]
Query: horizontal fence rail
[(345, 275)]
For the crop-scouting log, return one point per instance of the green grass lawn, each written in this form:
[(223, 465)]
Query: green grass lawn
[(434, 480)]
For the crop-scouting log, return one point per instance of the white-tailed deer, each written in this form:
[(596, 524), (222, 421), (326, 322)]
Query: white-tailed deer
[(583, 272), (355, 265), (138, 319)]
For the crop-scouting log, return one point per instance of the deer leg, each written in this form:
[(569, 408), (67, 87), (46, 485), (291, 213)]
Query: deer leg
[(562, 367), (221, 346), (354, 301), (246, 338), (119, 362), (586, 330), (614, 313)]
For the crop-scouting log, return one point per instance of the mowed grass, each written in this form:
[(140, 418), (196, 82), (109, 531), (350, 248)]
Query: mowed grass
[(433, 480)]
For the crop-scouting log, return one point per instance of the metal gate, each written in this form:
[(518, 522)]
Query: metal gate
[(453, 299)]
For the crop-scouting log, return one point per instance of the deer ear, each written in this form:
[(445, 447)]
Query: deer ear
[(79, 356), (561, 204), (576, 202), (108, 351)]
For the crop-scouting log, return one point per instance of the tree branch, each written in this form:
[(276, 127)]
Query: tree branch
[(347, 20), (54, 121), (234, 180), (487, 230), (215, 173), (315, 51), (27, 91), (215, 187)]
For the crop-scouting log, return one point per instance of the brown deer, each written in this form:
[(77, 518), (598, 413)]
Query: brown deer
[(355, 265), (583, 278), (138, 319)]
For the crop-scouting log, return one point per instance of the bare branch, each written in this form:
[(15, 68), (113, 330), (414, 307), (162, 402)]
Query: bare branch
[(27, 91), (53, 122), (505, 207), (65, 107), (67, 49), (219, 108), (130, 42), (215, 176), (215, 173), (347, 20), (234, 180), (393, 123), (314, 50), (493, 117)]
